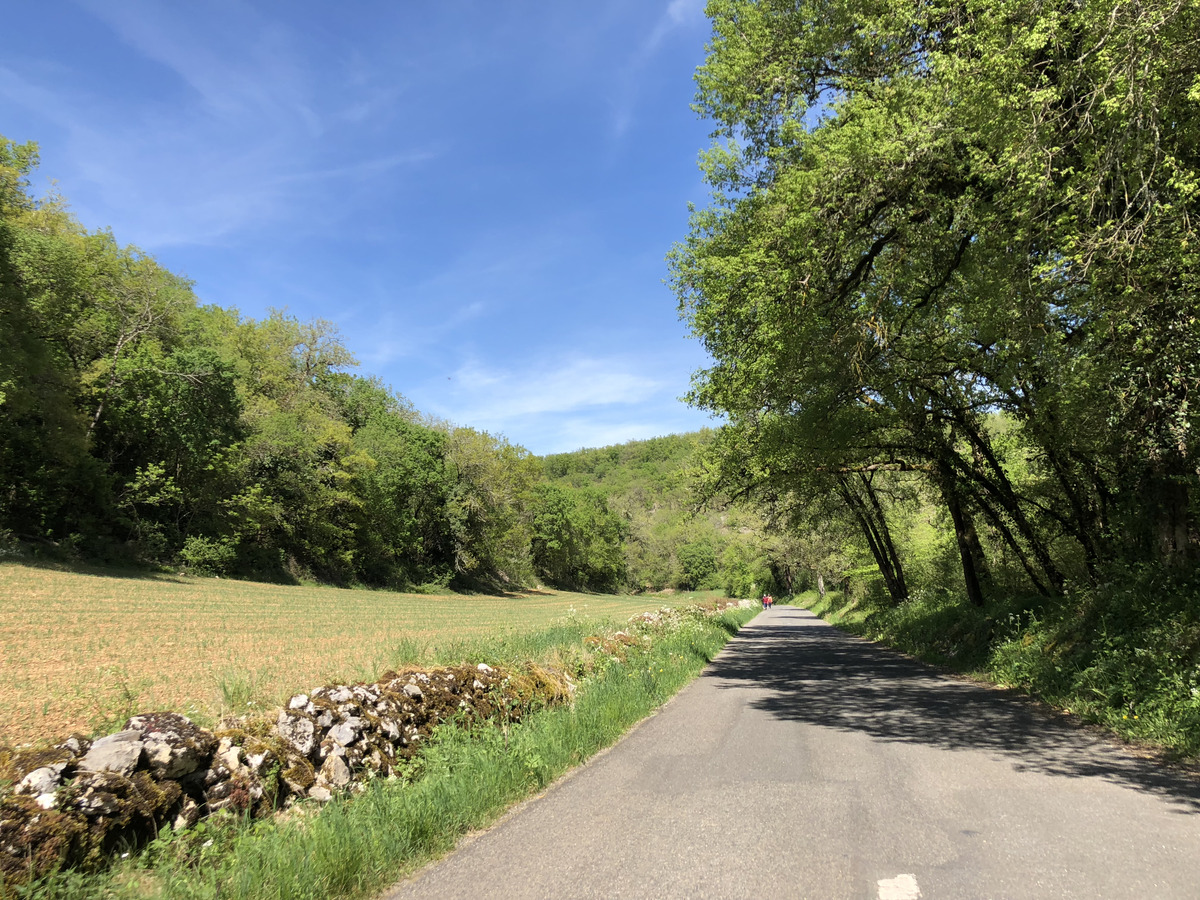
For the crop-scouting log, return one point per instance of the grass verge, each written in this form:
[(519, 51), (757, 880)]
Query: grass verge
[(1125, 655), (462, 781)]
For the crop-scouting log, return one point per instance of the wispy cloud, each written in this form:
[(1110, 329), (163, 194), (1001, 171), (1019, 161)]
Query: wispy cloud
[(366, 168), (495, 395), (240, 131), (493, 274), (564, 403), (391, 339), (255, 70), (679, 15)]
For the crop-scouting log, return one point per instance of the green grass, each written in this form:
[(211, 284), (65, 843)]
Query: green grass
[(1125, 655), (463, 781)]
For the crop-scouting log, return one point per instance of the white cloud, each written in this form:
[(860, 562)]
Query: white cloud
[(565, 404), (256, 72), (243, 130), (489, 398)]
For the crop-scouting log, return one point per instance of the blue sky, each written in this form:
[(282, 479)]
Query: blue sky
[(479, 194)]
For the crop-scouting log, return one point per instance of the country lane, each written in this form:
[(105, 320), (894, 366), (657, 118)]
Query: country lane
[(805, 762)]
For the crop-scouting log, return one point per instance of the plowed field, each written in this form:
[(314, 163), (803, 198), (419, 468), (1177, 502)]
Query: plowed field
[(82, 651)]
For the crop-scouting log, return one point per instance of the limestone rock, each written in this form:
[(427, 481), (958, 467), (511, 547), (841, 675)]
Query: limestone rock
[(347, 732), (365, 693), (335, 772), (230, 759), (45, 780), (188, 815), (320, 793), (120, 753), (258, 763), (127, 736), (75, 745), (174, 746), (300, 701), (298, 730), (414, 692), (216, 774), (96, 795)]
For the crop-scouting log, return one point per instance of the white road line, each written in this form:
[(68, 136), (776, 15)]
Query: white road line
[(902, 887)]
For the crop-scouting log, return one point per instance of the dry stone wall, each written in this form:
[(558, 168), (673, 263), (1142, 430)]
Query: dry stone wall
[(78, 801)]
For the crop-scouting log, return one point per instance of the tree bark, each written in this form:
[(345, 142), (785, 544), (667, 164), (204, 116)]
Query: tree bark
[(873, 524), (964, 531)]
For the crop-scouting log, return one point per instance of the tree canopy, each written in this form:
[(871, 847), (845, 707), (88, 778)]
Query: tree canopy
[(929, 215)]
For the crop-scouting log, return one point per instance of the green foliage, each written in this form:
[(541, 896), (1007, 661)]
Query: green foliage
[(698, 562), (578, 542), (948, 282), (669, 541), (927, 217), (207, 556)]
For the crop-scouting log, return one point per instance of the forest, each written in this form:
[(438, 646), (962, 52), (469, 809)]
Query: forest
[(139, 426), (947, 282)]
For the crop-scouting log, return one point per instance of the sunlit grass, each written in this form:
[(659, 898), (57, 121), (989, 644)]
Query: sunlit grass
[(83, 650), (462, 780)]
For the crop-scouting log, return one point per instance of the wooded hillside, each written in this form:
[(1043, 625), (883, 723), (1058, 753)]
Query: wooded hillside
[(139, 425)]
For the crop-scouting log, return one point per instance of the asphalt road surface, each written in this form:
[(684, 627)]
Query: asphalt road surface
[(808, 763)]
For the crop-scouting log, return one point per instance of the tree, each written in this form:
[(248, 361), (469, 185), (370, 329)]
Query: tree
[(577, 541), (928, 213)]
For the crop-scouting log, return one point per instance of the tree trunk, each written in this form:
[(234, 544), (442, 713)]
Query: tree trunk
[(879, 540), (993, 515), (885, 535), (1166, 499), (964, 531), (996, 484)]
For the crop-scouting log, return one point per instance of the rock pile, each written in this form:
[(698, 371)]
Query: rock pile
[(76, 802)]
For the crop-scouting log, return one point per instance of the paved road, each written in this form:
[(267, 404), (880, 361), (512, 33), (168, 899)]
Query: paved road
[(808, 763)]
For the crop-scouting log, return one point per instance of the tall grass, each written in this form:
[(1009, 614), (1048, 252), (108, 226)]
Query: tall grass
[(462, 781)]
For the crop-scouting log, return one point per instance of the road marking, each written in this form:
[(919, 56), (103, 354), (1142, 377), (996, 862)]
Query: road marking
[(902, 887)]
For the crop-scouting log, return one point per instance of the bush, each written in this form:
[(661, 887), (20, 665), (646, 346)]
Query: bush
[(208, 556)]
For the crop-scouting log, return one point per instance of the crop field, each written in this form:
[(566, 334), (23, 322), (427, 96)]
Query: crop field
[(79, 651)]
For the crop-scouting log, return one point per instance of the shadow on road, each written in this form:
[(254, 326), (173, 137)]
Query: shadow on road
[(822, 676)]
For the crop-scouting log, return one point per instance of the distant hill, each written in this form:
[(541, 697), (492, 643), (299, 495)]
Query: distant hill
[(668, 542)]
